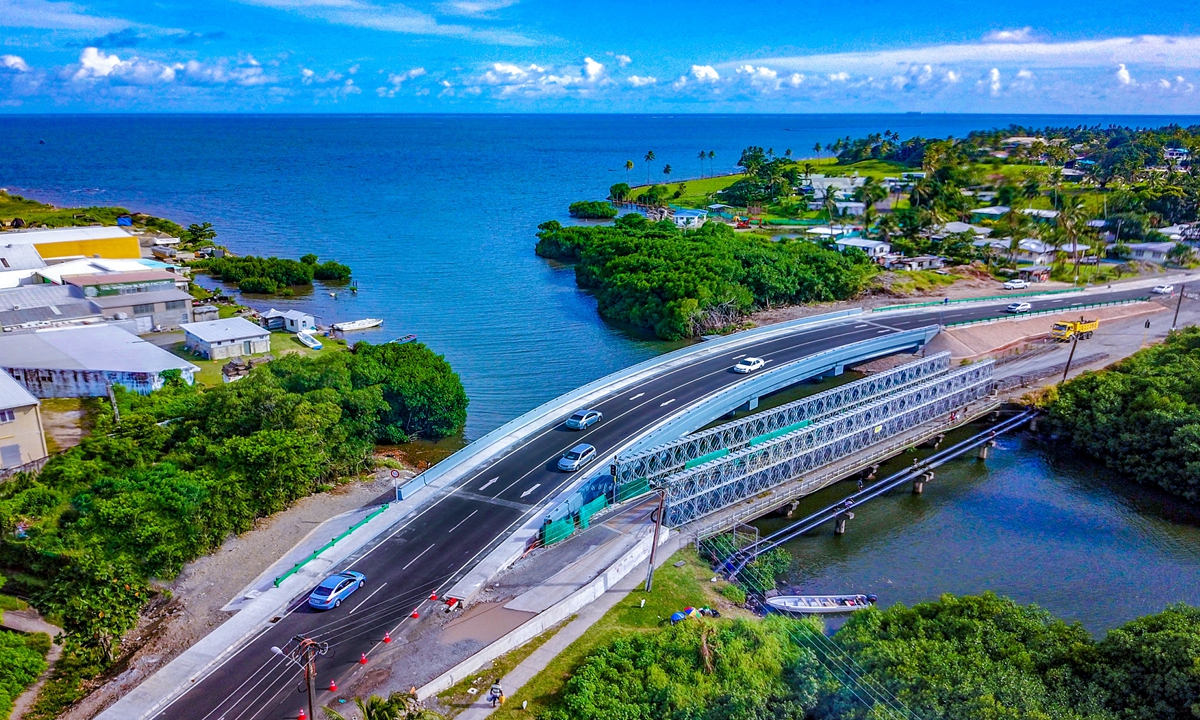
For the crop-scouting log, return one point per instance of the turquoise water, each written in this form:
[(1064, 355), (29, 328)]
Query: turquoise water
[(435, 213)]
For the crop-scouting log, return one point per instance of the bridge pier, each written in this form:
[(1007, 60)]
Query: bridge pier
[(839, 527), (919, 482), (749, 405)]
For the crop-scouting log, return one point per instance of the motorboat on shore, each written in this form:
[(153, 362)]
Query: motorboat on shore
[(309, 341), (403, 340), (819, 604), (352, 325)]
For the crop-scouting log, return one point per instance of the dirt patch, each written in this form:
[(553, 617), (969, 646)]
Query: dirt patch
[(483, 622), (66, 421), (193, 609)]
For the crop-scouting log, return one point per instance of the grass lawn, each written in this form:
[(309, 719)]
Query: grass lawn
[(908, 282), (282, 343), (674, 589), (1102, 273)]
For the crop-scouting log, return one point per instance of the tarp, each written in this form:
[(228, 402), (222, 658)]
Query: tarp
[(634, 488), (587, 511), (706, 458), (557, 530)]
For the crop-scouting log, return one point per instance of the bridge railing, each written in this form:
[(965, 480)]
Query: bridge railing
[(960, 301), (1038, 313), (673, 456), (718, 484)]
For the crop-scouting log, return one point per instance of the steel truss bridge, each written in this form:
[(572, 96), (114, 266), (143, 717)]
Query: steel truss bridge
[(713, 469)]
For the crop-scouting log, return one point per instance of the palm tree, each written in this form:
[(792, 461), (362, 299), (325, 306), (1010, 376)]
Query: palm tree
[(649, 159), (787, 153), (375, 708), (1070, 221), (628, 167), (667, 171), (817, 150), (809, 169), (711, 170), (701, 157), (829, 205)]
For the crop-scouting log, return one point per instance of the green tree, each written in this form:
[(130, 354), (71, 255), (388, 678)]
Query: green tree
[(201, 235), (628, 167), (649, 159)]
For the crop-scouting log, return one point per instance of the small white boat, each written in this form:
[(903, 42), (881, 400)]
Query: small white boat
[(819, 604), (309, 341), (353, 325)]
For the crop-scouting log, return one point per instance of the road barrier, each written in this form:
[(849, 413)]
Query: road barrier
[(313, 556), (989, 298), (1055, 311)]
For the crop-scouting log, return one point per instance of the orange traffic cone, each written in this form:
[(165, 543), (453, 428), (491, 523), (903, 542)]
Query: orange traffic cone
[(303, 715), (333, 686), (363, 660), (416, 614), (387, 637), (433, 596)]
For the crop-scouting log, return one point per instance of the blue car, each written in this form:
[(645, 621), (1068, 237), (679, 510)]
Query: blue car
[(334, 589)]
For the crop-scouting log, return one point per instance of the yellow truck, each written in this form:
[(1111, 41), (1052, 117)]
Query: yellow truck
[(1067, 329)]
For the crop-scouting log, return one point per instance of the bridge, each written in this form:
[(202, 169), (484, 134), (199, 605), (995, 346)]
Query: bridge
[(475, 512)]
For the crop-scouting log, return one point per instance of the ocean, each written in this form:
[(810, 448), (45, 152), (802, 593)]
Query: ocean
[(436, 214)]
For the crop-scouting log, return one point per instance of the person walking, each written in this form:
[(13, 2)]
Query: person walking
[(496, 694)]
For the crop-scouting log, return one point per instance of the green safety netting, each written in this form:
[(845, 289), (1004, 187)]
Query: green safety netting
[(558, 530), (638, 486), (587, 511), (705, 458), (780, 432)]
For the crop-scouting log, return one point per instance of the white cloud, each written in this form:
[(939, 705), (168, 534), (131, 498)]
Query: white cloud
[(994, 81), (393, 17), (14, 62), (705, 73), (592, 69), (1024, 74), (642, 81), (952, 77), (1123, 75), (475, 8), (1019, 35), (842, 76), (396, 80), (796, 80), (623, 60), (1164, 84), (47, 15), (762, 77)]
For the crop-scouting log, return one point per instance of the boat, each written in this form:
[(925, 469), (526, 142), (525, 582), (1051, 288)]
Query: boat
[(351, 325), (402, 340), (819, 604), (309, 341)]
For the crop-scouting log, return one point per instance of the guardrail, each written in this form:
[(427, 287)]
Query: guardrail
[(315, 553), (1054, 311), (512, 432), (989, 298)]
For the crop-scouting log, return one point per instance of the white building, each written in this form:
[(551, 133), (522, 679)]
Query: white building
[(689, 219), (291, 320), (18, 264), (874, 249), (231, 337)]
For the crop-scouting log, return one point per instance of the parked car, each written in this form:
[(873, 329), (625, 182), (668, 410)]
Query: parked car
[(334, 589), (1019, 307), (749, 365), (1163, 289), (1016, 284), (577, 457), (584, 419)]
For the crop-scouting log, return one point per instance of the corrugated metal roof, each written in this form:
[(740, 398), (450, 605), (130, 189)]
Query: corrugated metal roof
[(20, 257), (27, 296), (117, 278), (91, 232), (130, 299), (55, 313), (234, 328), (13, 394), (91, 347)]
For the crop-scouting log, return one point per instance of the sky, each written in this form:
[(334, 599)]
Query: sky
[(376, 56)]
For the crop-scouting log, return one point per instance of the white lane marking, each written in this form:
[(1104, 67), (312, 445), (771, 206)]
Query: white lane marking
[(460, 522), (410, 562), (884, 330), (738, 357), (664, 404), (489, 482), (765, 362), (530, 490), (635, 397), (859, 327), (365, 599)]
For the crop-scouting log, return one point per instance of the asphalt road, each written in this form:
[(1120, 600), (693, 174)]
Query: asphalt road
[(433, 549)]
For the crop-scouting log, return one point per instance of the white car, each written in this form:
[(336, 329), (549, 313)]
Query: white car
[(1018, 307), (1016, 285), (1163, 289), (749, 365)]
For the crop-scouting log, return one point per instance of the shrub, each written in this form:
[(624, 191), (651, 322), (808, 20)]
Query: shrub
[(592, 210)]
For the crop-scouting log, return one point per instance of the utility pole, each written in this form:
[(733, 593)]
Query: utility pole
[(1175, 320), (1070, 357), (662, 501), (305, 656)]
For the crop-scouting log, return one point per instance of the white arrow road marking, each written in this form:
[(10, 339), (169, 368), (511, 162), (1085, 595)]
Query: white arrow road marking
[(366, 599), (635, 397), (489, 482), (410, 562), (666, 403), (535, 487)]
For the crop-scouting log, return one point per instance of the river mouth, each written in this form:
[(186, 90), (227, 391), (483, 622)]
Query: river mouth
[(1031, 523)]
